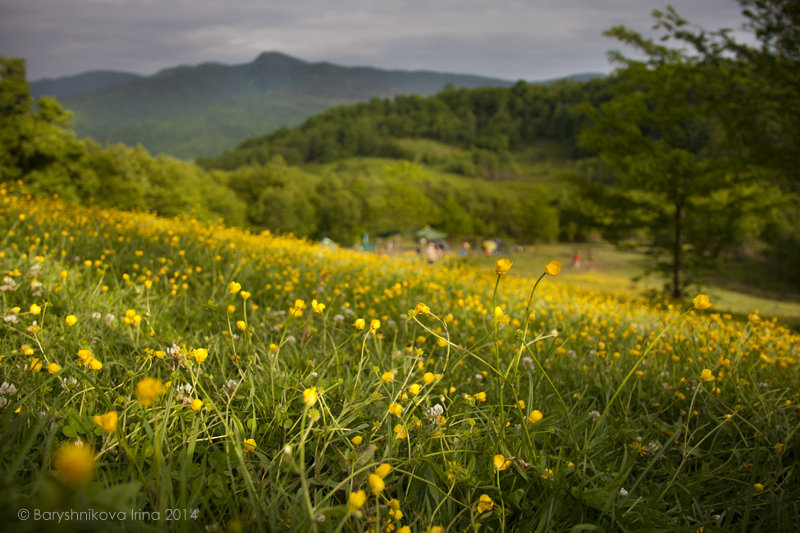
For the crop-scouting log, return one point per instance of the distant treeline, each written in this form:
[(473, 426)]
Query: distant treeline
[(489, 121)]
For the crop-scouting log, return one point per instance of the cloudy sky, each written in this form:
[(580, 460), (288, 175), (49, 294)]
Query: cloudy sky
[(512, 39)]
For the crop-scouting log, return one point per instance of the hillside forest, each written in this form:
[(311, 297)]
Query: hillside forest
[(661, 155)]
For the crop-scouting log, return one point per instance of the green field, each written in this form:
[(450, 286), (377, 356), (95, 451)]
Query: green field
[(196, 376)]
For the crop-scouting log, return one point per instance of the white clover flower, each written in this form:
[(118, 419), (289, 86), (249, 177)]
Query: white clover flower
[(10, 319), (527, 362), (595, 415), (435, 411), (8, 389), (623, 492), (109, 319), (230, 387), (96, 316)]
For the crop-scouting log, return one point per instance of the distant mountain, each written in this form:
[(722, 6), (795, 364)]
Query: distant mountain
[(95, 80), (202, 110)]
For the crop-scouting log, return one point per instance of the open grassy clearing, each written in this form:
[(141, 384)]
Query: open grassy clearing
[(607, 269), (271, 384)]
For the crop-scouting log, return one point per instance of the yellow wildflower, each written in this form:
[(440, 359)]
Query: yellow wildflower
[(500, 463), (501, 266), (249, 445), (199, 354), (481, 396), (196, 404), (395, 408), (360, 323), (374, 325), (36, 364), (74, 464), (414, 389), (357, 440), (706, 375), (71, 320), (422, 309), (485, 503), (701, 302), (310, 396), (234, 287), (400, 431), (535, 416), (35, 309), (148, 390), (387, 377), (383, 470), (356, 501), (107, 421), (53, 368), (317, 307), (245, 295), (553, 268), (376, 484)]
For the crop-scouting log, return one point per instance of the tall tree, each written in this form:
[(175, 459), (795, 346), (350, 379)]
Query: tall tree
[(661, 140)]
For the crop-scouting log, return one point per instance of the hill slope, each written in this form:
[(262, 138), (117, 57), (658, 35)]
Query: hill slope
[(189, 111)]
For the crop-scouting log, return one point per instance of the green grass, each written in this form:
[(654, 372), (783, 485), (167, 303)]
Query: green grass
[(607, 269), (633, 436)]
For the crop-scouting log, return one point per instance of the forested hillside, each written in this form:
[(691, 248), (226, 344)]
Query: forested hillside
[(490, 121), (188, 111)]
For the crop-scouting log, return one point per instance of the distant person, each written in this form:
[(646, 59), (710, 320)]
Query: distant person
[(432, 252), (576, 260)]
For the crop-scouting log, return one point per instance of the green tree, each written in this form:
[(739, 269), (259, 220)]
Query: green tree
[(672, 168), (36, 142)]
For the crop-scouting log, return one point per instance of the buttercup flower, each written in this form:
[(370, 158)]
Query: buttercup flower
[(701, 302), (71, 320), (535, 416), (706, 375), (356, 501), (360, 323), (501, 266), (107, 421), (199, 354), (383, 470), (500, 463), (317, 307), (374, 325), (375, 484), (387, 377), (422, 309), (310, 396), (74, 464), (148, 390), (249, 445), (395, 408), (485, 503), (553, 268), (234, 287)]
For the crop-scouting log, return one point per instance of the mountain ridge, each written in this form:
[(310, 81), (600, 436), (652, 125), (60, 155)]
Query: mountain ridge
[(198, 110)]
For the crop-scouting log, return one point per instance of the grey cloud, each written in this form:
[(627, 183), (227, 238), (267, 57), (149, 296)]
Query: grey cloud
[(506, 38)]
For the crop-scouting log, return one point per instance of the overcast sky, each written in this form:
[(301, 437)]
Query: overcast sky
[(511, 39)]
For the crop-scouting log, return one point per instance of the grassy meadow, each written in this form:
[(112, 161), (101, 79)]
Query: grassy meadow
[(192, 377)]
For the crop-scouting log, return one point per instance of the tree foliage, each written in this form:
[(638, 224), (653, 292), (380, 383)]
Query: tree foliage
[(678, 174)]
